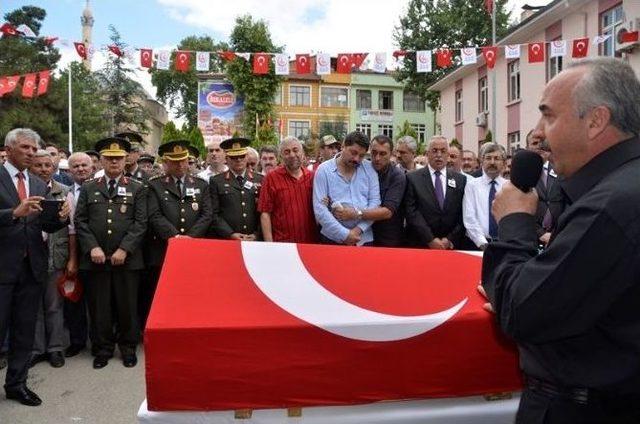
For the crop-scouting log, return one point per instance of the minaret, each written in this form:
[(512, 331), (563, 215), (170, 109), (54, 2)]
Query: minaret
[(87, 25)]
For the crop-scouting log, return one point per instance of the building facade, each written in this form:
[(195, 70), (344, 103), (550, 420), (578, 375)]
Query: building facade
[(466, 93)]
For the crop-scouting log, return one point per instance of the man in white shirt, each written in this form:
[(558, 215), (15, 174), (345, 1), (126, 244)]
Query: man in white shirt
[(479, 194), (215, 161)]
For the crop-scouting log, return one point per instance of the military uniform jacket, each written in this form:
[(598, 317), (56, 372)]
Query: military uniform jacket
[(111, 222), (139, 175), (172, 213), (235, 206)]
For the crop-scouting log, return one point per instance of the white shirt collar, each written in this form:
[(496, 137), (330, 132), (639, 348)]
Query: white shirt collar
[(443, 171), (12, 170)]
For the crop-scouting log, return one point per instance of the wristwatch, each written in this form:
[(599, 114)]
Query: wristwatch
[(359, 212)]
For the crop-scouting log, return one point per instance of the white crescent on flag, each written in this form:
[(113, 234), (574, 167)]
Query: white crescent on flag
[(278, 271)]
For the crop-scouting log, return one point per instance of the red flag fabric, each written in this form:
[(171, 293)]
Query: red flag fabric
[(81, 49), (182, 61), (357, 59), (8, 29), (50, 40), (490, 56), (536, 52), (12, 83), (344, 63), (443, 58), (29, 85), (488, 4), (398, 54), (116, 50), (580, 47), (4, 84), (261, 63), (270, 351), (303, 64), (43, 82), (227, 55), (629, 36), (146, 58)]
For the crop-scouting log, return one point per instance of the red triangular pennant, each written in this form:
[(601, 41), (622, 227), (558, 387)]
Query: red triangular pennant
[(29, 85), (81, 49), (116, 50), (261, 63), (182, 61), (536, 52), (490, 56), (443, 58), (303, 64), (227, 55), (146, 58), (580, 47), (43, 82)]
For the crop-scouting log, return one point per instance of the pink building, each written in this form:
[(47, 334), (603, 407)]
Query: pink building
[(466, 93)]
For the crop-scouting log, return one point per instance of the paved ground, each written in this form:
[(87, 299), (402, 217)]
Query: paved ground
[(76, 393)]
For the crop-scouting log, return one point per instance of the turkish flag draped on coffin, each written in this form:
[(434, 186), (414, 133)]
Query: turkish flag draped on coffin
[(270, 325)]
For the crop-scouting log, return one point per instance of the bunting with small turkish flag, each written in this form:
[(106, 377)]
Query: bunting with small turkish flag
[(8, 29), (303, 64), (227, 55), (580, 48), (146, 58), (81, 49), (4, 83), (343, 63), (357, 59), (116, 50), (50, 40), (12, 83), (536, 52), (43, 82), (488, 4), (490, 55), (29, 85), (261, 63), (443, 58), (182, 61)]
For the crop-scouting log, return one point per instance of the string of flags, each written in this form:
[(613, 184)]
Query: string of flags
[(34, 84)]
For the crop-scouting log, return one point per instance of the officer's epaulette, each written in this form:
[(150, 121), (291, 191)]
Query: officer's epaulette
[(90, 180), (198, 177), (155, 177)]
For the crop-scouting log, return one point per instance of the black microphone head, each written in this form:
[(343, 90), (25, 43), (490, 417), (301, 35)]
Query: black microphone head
[(526, 168)]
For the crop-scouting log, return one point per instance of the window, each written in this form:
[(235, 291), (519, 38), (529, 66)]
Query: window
[(483, 95), (385, 100), (514, 142), (299, 95), (412, 103), (277, 97), (610, 22), (513, 74), (458, 105), (386, 130), (554, 64), (299, 129), (334, 97), (338, 129), (364, 128), (363, 99), (421, 130)]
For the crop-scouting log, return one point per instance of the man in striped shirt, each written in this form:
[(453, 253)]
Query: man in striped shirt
[(285, 200)]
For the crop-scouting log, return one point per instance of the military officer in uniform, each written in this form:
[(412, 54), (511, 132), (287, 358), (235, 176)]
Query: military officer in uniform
[(179, 205), (132, 169), (110, 221), (234, 195)]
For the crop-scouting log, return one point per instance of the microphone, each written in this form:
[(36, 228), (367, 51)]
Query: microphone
[(526, 168)]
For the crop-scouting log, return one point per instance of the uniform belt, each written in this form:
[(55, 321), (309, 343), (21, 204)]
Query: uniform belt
[(580, 395)]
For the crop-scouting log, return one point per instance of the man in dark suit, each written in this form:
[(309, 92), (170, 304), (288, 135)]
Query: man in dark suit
[(433, 201), (24, 258), (550, 198), (234, 195)]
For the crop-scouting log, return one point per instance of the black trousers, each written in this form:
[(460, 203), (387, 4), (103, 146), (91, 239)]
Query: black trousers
[(75, 318), (148, 284), (20, 297), (112, 297), (540, 408)]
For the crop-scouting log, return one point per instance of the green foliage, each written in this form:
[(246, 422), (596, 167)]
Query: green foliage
[(455, 143), (429, 24), (180, 89), (257, 90), (335, 126), (171, 132), (488, 138), (406, 129)]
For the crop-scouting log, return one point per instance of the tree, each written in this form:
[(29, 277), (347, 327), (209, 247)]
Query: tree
[(257, 90), (180, 89), (124, 96), (193, 134), (171, 132), (429, 24)]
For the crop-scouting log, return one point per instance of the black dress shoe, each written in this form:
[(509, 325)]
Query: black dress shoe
[(100, 362), (35, 359), (3, 361), (24, 396), (73, 350), (129, 361), (56, 359)]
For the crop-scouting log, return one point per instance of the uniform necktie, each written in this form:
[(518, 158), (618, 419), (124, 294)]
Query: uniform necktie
[(493, 225), (112, 187), (22, 188), (240, 179), (439, 190), (179, 187)]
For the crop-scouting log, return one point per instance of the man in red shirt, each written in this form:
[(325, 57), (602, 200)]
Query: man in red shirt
[(285, 199)]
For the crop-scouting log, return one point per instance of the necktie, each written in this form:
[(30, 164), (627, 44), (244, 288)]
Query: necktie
[(179, 186), (240, 179), (439, 190), (545, 177), (493, 225), (112, 187), (22, 188)]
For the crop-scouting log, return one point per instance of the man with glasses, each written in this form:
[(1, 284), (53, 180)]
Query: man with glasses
[(234, 195), (215, 161)]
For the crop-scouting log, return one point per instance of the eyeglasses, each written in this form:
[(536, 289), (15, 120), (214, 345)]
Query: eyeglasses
[(237, 157)]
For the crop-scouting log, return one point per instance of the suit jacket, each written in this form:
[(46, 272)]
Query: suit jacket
[(551, 198), (171, 213), (425, 219), (235, 207), (111, 222), (20, 238), (58, 242)]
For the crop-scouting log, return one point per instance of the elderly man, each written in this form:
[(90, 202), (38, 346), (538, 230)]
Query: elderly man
[(455, 160), (49, 338), (285, 204), (470, 164), (479, 193), (433, 201), (406, 150), (252, 159), (24, 258), (347, 180), (268, 159), (573, 309), (95, 160), (215, 161)]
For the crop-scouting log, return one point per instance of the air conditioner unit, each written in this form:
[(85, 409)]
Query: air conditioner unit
[(481, 120), (629, 26)]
